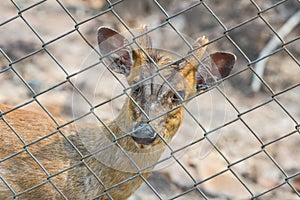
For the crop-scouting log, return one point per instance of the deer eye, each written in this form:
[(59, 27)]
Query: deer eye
[(175, 98), (137, 90)]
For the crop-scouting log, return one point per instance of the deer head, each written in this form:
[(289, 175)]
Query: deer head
[(159, 86)]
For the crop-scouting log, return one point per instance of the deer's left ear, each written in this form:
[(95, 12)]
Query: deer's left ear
[(116, 45), (213, 68)]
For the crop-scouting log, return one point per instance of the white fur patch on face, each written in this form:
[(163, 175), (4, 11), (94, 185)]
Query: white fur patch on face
[(143, 146)]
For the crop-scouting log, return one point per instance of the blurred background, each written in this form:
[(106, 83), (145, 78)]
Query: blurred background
[(248, 144)]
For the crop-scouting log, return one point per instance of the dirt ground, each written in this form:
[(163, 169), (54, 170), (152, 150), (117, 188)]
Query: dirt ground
[(254, 147)]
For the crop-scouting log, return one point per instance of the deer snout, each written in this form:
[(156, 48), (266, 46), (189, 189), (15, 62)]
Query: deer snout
[(143, 134)]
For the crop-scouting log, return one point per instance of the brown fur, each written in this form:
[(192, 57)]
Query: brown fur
[(42, 160)]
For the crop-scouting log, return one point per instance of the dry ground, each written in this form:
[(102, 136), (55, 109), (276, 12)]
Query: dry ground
[(244, 133)]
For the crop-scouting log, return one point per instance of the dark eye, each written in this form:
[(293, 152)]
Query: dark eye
[(201, 87), (175, 98), (137, 90)]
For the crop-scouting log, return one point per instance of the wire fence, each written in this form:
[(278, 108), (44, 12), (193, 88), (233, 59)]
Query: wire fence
[(249, 148)]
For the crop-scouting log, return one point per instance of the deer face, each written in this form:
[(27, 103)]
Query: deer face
[(158, 85)]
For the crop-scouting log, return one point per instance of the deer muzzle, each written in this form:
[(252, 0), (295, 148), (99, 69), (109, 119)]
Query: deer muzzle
[(143, 133)]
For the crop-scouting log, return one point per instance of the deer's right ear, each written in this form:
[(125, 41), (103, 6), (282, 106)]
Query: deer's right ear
[(110, 41), (218, 64)]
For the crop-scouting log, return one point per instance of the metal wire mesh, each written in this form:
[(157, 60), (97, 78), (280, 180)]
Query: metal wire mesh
[(220, 174)]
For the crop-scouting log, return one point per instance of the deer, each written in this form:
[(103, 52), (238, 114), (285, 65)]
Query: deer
[(43, 159)]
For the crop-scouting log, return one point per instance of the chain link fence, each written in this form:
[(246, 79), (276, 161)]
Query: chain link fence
[(239, 140)]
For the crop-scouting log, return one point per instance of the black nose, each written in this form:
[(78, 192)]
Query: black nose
[(143, 134)]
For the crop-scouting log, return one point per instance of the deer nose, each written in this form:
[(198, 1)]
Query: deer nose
[(143, 134)]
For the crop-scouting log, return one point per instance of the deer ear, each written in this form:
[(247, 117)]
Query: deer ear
[(109, 41), (213, 68)]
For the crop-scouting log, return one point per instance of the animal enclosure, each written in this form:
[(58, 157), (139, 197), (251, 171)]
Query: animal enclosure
[(240, 139)]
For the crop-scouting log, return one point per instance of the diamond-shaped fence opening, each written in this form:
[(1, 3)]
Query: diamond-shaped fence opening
[(64, 133)]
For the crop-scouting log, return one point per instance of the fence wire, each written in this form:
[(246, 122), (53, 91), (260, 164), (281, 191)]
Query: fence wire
[(231, 26)]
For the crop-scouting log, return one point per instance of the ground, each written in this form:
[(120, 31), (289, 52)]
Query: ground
[(254, 137)]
